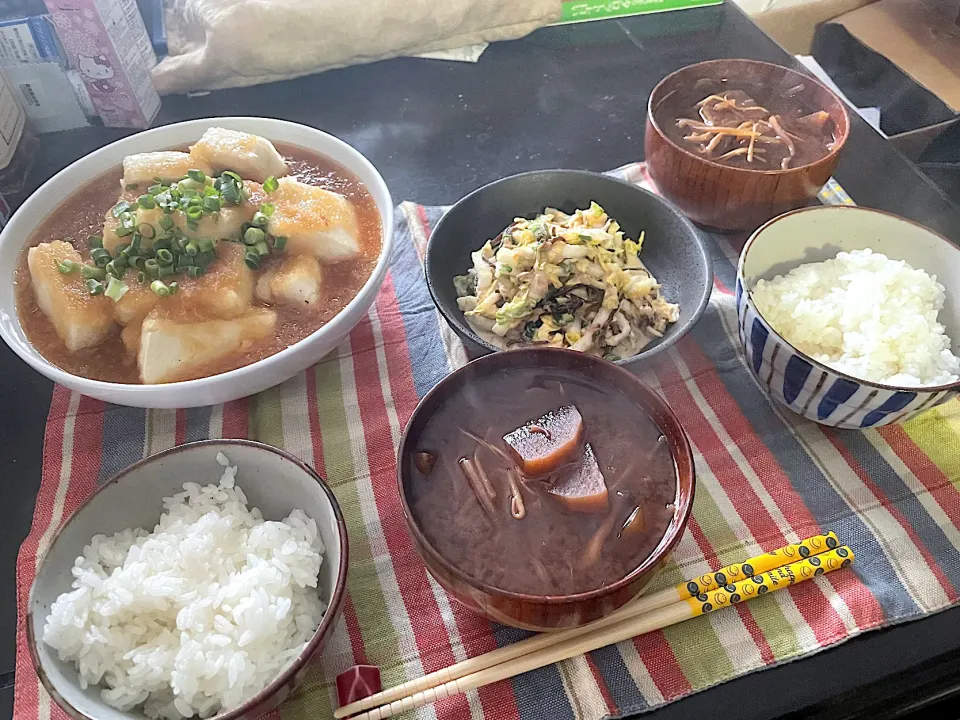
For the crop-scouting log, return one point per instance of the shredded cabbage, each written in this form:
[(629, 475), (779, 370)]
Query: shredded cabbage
[(571, 281)]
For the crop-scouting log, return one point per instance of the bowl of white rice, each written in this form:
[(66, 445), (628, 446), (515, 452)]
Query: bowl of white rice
[(850, 316), (199, 582)]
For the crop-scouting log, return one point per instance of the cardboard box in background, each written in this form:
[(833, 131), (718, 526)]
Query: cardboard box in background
[(792, 22), (106, 40), (921, 37), (29, 40)]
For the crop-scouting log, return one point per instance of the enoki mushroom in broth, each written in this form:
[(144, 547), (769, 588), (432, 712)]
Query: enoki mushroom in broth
[(536, 485), (735, 129)]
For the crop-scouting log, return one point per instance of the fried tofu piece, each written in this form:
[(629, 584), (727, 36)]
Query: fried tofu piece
[(297, 281), (225, 226), (143, 169), (136, 302), (130, 336), (315, 222), (80, 319), (172, 350), (111, 241), (224, 291), (250, 156)]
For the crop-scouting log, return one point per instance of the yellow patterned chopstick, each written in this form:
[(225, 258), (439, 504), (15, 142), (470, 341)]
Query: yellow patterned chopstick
[(692, 589), (626, 628)]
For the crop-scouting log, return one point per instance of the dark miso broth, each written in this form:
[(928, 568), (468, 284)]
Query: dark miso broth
[(748, 125), (552, 549)]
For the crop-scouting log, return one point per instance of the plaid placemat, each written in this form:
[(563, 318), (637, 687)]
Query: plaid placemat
[(765, 477)]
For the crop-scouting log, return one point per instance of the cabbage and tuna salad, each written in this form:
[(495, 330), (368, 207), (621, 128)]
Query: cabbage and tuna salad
[(566, 281)]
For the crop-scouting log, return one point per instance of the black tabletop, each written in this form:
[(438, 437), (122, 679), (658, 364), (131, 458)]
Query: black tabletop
[(573, 97)]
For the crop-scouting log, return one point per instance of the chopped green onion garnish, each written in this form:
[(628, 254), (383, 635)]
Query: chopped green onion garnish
[(159, 288), (100, 256), (146, 202), (188, 184), (252, 260), (253, 236), (507, 268), (262, 249), (141, 277), (210, 191), (260, 220), (115, 289), (113, 269), (137, 261), (94, 241), (120, 208), (174, 286), (93, 272), (95, 287), (166, 222), (130, 187), (197, 175), (155, 189), (205, 258), (192, 248), (270, 184), (194, 212), (211, 204), (68, 266), (194, 271), (151, 267), (206, 245), (164, 257), (279, 242), (184, 261), (124, 231), (267, 209), (233, 175), (165, 271), (147, 230)]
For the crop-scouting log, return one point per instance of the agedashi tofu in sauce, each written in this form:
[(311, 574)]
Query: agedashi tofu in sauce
[(203, 260), (553, 489)]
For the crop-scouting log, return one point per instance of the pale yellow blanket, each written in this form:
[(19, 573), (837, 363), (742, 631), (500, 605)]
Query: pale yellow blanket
[(229, 43)]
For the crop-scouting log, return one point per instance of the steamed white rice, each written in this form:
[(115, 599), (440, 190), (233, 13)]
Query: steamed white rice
[(197, 616), (866, 315)]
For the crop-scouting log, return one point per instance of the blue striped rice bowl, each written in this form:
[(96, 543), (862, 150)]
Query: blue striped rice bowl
[(792, 378)]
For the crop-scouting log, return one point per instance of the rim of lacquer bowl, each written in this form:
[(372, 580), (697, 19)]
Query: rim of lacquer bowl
[(686, 484), (837, 146), (319, 635), (748, 291)]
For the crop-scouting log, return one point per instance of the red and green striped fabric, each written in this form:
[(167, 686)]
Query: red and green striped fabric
[(766, 477)]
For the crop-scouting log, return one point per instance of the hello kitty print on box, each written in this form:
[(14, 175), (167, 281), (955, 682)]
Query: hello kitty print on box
[(107, 42)]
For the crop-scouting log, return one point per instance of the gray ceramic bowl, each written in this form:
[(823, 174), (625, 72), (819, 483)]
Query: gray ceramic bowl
[(673, 249), (272, 480)]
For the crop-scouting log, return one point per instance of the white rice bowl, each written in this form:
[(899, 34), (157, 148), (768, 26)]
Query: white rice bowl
[(865, 315), (197, 616)]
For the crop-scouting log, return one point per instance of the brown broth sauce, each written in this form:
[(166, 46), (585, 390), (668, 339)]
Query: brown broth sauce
[(82, 215), (546, 552)]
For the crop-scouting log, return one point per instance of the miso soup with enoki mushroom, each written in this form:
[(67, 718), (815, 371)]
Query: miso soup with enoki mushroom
[(747, 126), (550, 488)]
